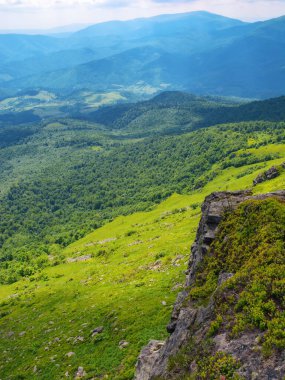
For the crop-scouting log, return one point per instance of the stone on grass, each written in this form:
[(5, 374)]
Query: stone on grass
[(80, 373), (123, 344), (97, 330), (69, 354)]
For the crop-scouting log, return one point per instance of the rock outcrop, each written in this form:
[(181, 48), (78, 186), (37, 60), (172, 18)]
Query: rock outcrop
[(269, 174), (188, 319)]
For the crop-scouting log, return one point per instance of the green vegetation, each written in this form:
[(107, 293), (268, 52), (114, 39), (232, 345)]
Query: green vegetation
[(250, 245), (120, 287), (100, 199), (96, 228), (139, 260), (217, 366), (256, 232), (207, 365), (80, 188), (175, 112)]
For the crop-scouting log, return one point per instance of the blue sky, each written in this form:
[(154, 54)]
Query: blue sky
[(30, 14)]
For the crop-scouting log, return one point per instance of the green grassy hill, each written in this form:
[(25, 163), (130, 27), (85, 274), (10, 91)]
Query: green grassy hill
[(123, 277)]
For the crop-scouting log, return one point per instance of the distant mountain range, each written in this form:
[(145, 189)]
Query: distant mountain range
[(198, 52), (61, 30)]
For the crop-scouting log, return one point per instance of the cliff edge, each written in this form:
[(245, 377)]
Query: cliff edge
[(229, 321)]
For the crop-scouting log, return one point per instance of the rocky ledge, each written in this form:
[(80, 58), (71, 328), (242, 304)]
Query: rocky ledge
[(190, 320), (269, 174)]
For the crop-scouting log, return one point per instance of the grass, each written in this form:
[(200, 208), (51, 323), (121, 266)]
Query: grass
[(94, 100), (140, 268), (47, 103), (133, 270)]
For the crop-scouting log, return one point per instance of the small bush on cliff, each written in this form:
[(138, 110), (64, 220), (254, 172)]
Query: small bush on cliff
[(219, 366), (195, 361)]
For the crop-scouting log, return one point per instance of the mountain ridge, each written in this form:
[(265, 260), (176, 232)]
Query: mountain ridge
[(198, 52)]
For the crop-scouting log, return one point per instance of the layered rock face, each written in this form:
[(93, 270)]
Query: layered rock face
[(189, 320)]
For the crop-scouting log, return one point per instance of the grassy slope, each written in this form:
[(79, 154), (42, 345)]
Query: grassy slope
[(47, 104), (122, 287)]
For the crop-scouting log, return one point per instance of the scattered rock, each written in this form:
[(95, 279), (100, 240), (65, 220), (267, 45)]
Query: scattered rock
[(177, 259), (135, 243), (123, 344), (78, 259), (79, 339), (80, 373), (147, 358), (155, 266), (163, 303), (97, 330), (22, 333), (70, 354), (109, 240), (267, 175)]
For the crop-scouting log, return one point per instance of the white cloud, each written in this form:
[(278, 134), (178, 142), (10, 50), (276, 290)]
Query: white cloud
[(50, 13), (55, 4)]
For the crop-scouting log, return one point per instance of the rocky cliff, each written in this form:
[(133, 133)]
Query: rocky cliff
[(229, 321)]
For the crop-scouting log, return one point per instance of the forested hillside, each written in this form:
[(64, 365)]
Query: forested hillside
[(62, 179)]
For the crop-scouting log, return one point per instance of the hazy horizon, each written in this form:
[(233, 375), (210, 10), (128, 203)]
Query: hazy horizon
[(44, 15)]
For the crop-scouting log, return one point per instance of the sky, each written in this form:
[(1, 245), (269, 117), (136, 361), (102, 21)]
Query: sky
[(45, 14)]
